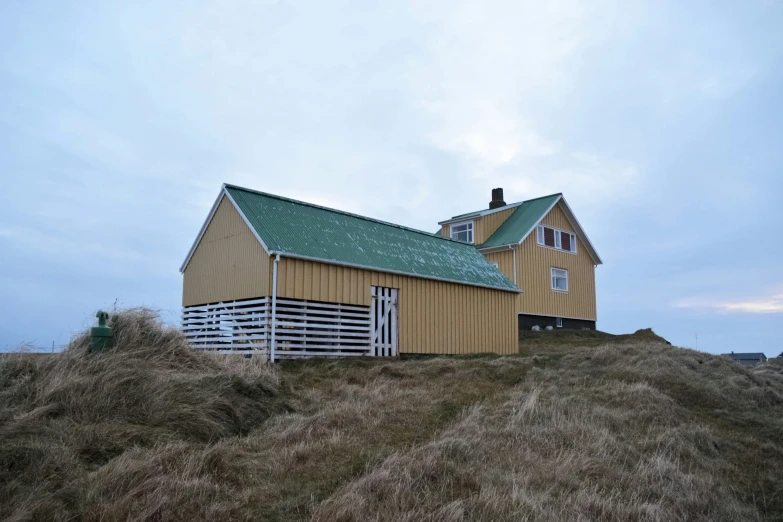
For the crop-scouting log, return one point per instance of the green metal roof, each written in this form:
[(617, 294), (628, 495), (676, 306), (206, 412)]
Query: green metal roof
[(303, 230), (521, 221)]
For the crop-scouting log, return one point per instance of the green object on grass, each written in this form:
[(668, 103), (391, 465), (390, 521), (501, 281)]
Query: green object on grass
[(101, 335)]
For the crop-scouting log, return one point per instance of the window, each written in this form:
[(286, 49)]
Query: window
[(559, 322), (462, 232), (495, 263), (559, 280), (557, 239)]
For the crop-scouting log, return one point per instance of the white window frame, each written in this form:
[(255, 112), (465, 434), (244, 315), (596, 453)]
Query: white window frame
[(496, 264), (470, 230), (558, 322), (552, 279), (558, 240)]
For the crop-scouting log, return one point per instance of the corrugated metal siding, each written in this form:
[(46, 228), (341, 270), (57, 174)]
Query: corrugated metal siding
[(533, 270), (434, 317), (228, 264), (487, 225), (505, 261)]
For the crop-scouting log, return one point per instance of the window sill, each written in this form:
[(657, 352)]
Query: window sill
[(556, 249), (560, 291)]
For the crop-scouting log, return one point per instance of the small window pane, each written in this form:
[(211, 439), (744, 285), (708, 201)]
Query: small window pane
[(462, 232), (565, 241), (549, 236)]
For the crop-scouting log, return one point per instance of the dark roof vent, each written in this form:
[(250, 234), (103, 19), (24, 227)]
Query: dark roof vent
[(497, 199)]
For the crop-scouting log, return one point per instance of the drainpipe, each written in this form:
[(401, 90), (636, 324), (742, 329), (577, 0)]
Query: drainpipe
[(274, 309), (514, 249)]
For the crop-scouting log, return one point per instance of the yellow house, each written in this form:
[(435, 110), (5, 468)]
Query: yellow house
[(276, 276), (540, 246)]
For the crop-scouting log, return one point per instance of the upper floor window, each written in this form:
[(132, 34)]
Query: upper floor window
[(462, 232), (555, 238)]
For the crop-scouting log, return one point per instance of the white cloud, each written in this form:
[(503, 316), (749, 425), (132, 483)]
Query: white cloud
[(491, 74), (9, 232), (762, 305)]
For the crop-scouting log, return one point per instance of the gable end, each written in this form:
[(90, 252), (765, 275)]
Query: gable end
[(223, 194)]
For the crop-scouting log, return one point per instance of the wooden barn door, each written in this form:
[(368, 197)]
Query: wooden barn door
[(383, 320)]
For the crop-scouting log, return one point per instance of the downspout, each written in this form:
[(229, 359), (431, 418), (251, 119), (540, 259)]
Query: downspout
[(274, 309), (514, 249)]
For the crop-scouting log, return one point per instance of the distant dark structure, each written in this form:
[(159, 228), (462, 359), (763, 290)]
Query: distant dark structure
[(747, 359)]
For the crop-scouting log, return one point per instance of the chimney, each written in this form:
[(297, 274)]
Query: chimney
[(497, 199)]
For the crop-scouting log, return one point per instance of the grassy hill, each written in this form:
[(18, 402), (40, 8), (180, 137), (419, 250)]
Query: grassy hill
[(579, 426)]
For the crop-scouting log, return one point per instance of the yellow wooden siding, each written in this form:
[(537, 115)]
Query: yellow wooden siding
[(434, 317), (505, 261), (228, 264), (487, 225), (534, 276)]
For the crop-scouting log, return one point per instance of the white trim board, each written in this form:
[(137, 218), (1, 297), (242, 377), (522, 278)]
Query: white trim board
[(480, 213), (247, 221), (201, 232), (580, 232)]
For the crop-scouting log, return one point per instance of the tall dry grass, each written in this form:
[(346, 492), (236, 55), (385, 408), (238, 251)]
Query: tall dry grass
[(633, 430), (83, 433)]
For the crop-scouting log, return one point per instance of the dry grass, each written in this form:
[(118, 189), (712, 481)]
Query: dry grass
[(626, 429)]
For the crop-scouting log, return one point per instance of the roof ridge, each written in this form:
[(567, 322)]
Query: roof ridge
[(343, 212), (542, 197), (511, 222), (516, 203)]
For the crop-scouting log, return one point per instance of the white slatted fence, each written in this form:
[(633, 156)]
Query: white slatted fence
[(303, 328), (308, 328), (229, 327)]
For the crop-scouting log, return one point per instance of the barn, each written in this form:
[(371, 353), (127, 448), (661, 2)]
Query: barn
[(285, 278)]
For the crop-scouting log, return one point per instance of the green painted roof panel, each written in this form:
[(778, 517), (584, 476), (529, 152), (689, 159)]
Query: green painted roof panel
[(521, 221), (298, 228)]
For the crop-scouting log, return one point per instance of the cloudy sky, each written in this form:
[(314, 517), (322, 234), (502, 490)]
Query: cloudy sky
[(660, 121)]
